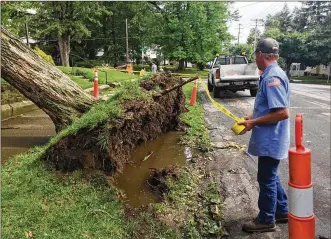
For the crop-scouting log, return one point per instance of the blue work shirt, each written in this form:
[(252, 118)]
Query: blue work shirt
[(271, 140)]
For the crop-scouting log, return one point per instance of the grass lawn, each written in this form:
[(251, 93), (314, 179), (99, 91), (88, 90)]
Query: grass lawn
[(312, 80), (88, 73), (40, 203), (186, 73), (190, 72), (3, 82)]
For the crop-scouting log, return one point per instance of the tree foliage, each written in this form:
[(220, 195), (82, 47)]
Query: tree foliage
[(251, 36), (303, 34), (182, 31)]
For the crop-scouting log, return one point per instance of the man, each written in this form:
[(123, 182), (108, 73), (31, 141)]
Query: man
[(154, 68), (270, 137)]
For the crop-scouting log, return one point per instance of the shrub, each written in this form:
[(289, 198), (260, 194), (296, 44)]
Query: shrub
[(43, 55)]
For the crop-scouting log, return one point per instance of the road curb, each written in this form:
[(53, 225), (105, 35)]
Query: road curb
[(10, 110)]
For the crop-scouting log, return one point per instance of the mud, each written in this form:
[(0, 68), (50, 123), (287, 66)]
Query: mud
[(142, 121), (158, 180), (146, 160)]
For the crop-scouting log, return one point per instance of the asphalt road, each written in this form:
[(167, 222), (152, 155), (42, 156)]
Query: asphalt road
[(313, 101)]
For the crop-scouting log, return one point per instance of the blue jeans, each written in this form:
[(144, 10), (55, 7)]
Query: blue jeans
[(272, 197)]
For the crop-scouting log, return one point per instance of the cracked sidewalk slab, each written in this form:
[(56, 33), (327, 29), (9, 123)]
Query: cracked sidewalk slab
[(239, 189)]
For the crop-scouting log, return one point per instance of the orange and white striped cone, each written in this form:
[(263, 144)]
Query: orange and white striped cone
[(96, 83), (194, 93), (301, 218)]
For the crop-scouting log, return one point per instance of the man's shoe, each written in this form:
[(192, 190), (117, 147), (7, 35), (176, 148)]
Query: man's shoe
[(256, 226), (282, 218)]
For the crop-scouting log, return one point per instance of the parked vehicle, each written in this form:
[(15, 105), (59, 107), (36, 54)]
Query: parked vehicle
[(232, 73)]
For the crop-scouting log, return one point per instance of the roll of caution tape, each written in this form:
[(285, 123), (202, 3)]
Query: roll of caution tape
[(236, 128)]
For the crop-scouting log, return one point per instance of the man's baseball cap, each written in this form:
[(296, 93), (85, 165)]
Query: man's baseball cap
[(267, 45)]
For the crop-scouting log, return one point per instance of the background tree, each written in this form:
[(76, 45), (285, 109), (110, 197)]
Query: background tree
[(251, 36), (303, 39), (239, 49), (193, 31), (62, 21)]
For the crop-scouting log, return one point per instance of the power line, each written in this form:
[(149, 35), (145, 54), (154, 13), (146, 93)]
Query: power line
[(239, 28), (255, 32), (264, 10), (248, 5)]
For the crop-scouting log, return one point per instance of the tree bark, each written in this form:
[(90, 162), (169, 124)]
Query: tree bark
[(181, 65), (200, 66), (64, 45), (45, 85)]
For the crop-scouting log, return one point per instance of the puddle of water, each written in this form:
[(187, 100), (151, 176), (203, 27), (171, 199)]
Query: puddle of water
[(164, 151)]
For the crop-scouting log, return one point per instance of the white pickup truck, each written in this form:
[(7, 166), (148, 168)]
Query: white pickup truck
[(232, 73)]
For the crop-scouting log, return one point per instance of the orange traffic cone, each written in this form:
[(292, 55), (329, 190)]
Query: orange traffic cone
[(96, 83), (194, 93), (301, 218)]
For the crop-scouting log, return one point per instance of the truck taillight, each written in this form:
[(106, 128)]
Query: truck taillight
[(218, 73)]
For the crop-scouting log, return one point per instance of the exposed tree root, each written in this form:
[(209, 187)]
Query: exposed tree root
[(108, 145)]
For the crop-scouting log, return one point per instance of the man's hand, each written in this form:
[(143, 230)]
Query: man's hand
[(248, 117), (249, 124)]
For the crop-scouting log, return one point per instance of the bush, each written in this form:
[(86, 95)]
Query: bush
[(43, 55), (89, 63)]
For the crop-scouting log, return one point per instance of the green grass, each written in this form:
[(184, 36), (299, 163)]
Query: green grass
[(187, 72), (191, 211), (104, 110), (197, 134), (190, 72), (81, 82), (51, 205), (3, 82), (88, 73), (312, 80)]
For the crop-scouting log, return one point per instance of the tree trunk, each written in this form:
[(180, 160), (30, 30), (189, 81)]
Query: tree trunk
[(181, 65), (45, 85), (64, 45), (200, 66)]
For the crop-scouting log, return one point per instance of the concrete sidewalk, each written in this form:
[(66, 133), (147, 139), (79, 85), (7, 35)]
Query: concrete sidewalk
[(20, 133)]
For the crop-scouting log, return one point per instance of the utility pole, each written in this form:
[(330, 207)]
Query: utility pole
[(127, 40), (256, 21), (239, 32), (27, 34)]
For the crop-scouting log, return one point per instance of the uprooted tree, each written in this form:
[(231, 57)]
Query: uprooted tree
[(106, 144), (45, 85)]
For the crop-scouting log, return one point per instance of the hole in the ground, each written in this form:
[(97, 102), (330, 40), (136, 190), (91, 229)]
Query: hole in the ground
[(156, 154)]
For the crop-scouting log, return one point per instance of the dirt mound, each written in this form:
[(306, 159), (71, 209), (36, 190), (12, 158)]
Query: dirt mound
[(158, 180), (108, 145), (163, 81)]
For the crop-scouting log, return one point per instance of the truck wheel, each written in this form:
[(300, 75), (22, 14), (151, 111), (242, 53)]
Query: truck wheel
[(210, 86), (253, 92), (216, 92)]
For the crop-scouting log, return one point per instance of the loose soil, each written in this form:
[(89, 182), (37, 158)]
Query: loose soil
[(142, 120), (159, 177)]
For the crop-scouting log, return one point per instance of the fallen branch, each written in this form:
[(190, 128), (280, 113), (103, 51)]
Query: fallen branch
[(166, 91)]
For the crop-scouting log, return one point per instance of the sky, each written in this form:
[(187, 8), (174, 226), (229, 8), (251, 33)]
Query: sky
[(253, 10)]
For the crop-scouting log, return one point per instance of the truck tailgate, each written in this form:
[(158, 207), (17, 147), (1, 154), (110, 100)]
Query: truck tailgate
[(240, 77)]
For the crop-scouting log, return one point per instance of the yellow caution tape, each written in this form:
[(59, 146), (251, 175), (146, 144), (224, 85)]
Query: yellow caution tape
[(237, 129)]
